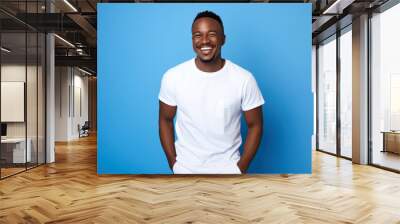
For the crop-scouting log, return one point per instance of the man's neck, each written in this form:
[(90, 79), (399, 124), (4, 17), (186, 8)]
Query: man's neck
[(211, 66)]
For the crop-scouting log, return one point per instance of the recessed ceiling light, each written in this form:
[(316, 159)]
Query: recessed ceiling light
[(65, 41), (84, 71), (70, 5), (337, 7), (5, 50)]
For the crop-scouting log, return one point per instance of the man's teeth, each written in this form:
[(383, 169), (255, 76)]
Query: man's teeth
[(205, 48)]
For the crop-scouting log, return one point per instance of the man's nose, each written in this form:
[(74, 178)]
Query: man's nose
[(205, 39)]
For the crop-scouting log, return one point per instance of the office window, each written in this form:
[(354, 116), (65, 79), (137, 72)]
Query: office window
[(327, 95), (385, 88), (346, 92)]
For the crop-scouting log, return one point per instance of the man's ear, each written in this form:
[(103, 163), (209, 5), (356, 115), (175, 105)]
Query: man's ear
[(223, 40)]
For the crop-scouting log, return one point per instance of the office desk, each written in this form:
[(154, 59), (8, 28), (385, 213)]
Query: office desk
[(391, 141), (15, 148)]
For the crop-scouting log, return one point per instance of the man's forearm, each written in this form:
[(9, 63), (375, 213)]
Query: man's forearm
[(167, 139), (253, 139)]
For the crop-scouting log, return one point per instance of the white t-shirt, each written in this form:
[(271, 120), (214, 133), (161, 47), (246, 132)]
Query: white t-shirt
[(209, 108)]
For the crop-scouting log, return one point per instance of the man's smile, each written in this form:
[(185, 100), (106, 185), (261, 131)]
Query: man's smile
[(206, 50)]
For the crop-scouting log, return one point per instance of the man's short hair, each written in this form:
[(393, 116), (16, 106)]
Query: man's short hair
[(209, 14)]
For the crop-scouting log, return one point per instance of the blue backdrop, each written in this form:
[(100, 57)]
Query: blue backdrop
[(137, 43)]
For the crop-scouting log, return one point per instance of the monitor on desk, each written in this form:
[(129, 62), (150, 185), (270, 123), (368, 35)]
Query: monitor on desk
[(3, 130)]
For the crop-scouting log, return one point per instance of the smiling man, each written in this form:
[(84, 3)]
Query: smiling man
[(208, 94)]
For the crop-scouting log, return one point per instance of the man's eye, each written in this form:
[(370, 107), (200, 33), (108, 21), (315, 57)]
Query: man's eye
[(196, 35), (212, 34)]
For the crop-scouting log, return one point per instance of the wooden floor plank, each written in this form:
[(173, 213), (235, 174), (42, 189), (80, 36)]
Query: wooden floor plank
[(70, 191)]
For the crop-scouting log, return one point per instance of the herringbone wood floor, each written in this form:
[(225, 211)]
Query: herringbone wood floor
[(70, 191)]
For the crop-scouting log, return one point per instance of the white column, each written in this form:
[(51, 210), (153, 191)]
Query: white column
[(50, 93), (360, 90), (50, 100)]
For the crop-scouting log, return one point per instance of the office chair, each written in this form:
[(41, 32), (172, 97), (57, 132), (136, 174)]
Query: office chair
[(84, 130)]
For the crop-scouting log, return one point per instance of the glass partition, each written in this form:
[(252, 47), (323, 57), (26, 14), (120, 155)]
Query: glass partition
[(22, 88), (327, 95), (32, 95), (41, 87), (14, 153), (32, 82)]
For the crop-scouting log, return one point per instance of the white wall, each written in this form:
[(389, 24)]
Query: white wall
[(62, 81), (71, 102), (33, 127), (79, 110), (15, 72), (9, 73)]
